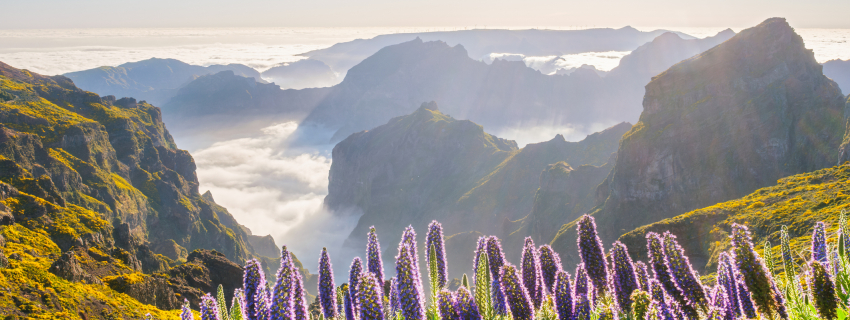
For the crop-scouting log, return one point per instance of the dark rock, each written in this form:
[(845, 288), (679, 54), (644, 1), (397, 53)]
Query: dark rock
[(148, 289), (202, 273), (68, 267)]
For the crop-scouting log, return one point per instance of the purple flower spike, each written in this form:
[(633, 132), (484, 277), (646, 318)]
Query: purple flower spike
[(550, 264), (659, 311), (657, 292), (819, 243), (254, 282), (209, 308), (582, 308), (446, 305), (409, 238), (517, 297), (531, 273), (354, 275), (185, 312), (263, 300), (370, 297), (434, 237), (686, 278), (581, 285), (747, 307), (563, 296), (465, 305), (395, 305), (282, 301), (592, 254), (327, 293), (496, 260), (409, 285), (658, 262), (823, 291), (299, 296), (720, 303), (373, 255), (348, 305), (623, 278), (754, 274), (726, 278), (642, 275)]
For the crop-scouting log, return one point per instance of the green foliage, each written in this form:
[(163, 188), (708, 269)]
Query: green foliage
[(482, 289)]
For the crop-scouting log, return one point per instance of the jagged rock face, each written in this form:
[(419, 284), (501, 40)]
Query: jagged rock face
[(202, 273), (428, 166), (722, 124), (564, 195), (154, 290), (68, 267)]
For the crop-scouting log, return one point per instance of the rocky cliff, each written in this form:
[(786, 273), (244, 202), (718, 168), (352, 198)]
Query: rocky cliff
[(95, 188), (428, 165), (718, 126)]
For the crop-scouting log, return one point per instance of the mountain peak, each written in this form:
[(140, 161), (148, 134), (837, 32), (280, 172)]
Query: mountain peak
[(429, 106)]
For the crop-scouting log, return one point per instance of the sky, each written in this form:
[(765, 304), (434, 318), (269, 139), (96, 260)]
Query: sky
[(40, 14)]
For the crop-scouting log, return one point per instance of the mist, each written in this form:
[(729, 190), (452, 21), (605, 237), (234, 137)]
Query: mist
[(274, 186)]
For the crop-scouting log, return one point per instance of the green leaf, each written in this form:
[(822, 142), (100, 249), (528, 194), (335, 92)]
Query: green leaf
[(464, 281), (482, 288)]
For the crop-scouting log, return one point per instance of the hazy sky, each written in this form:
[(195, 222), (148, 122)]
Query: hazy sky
[(396, 13)]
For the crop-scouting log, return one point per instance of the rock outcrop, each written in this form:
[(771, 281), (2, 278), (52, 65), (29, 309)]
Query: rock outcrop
[(718, 126)]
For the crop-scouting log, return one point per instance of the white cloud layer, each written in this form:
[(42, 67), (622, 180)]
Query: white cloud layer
[(273, 187)]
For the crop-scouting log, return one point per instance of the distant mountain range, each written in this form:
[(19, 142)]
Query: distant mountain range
[(153, 80), (481, 42)]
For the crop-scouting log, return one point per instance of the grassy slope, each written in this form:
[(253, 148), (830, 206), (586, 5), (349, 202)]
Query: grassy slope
[(797, 201)]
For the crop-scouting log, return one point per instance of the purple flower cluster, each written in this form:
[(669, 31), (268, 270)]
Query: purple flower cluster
[(373, 255), (465, 305), (185, 312), (623, 278), (819, 243), (409, 284), (369, 295), (550, 265), (592, 254), (823, 291), (727, 279), (581, 284), (531, 273), (517, 297), (496, 260), (754, 274), (642, 275), (254, 283), (658, 262), (282, 301), (209, 308), (563, 296), (434, 238), (327, 293), (446, 305), (686, 278), (354, 275)]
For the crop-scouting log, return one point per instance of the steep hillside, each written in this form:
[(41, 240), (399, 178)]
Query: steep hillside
[(428, 166), (798, 201), (721, 125), (92, 189), (154, 80)]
